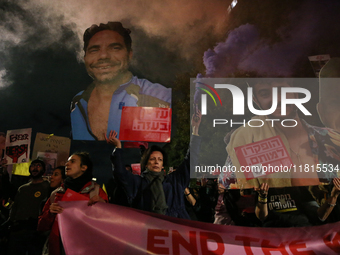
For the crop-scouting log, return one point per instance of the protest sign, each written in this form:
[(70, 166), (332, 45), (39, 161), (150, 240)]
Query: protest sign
[(136, 168), (148, 124), (18, 143), (50, 160), (52, 144), (264, 157)]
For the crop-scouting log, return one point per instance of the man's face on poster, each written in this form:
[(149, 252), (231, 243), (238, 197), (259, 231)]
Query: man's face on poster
[(106, 56), (263, 97)]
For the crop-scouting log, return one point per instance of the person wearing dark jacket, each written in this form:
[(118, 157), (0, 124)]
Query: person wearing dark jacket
[(152, 191)]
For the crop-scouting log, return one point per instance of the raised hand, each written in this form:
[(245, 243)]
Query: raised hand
[(336, 188), (195, 122), (112, 139), (263, 190)]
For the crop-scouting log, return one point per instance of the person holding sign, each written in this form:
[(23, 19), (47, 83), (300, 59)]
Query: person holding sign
[(79, 179), (152, 191), (308, 147), (286, 207), (311, 148), (98, 109)]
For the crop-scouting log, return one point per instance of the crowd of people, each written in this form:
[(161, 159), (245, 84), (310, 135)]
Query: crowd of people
[(29, 223)]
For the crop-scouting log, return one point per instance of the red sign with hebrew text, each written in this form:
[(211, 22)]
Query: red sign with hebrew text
[(149, 124), (263, 157)]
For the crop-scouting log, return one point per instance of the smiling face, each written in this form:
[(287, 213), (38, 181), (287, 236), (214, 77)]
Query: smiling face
[(155, 161), (263, 97), (106, 57), (56, 179), (73, 167)]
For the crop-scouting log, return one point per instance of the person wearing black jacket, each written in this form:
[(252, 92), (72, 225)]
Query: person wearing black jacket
[(152, 191)]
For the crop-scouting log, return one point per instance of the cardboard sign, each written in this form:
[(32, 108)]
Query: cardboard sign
[(259, 156), (50, 160), (18, 143), (149, 124), (52, 144)]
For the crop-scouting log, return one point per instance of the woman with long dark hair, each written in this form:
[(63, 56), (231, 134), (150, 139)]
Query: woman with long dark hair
[(79, 179)]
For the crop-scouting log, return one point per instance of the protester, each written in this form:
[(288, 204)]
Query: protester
[(222, 216), (286, 207), (79, 179), (327, 198), (57, 178), (306, 145), (207, 196), (191, 203), (25, 212), (116, 191), (189, 197), (152, 191)]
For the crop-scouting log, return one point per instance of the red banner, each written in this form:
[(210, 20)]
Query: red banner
[(111, 229), (149, 124)]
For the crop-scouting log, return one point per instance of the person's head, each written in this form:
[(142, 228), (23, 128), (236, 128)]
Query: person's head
[(58, 176), (153, 159), (128, 168), (37, 169), (263, 96), (79, 164), (107, 51), (329, 93)]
